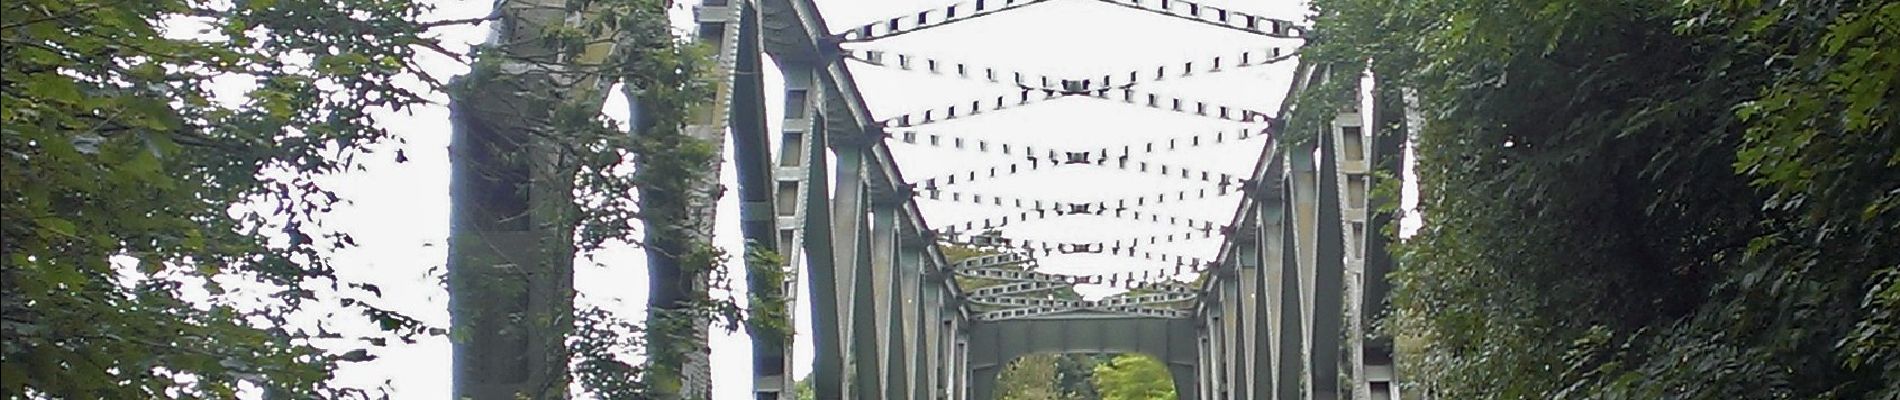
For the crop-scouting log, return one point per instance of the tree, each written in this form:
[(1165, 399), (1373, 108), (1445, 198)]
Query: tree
[(1034, 377), (1075, 374), (1629, 199), (802, 389), (1133, 377), (157, 149)]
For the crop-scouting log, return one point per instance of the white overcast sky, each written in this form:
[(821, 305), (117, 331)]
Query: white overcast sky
[(400, 211)]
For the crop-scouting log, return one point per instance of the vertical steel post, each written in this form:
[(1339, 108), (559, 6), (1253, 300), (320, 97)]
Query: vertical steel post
[(1328, 279), (1230, 332), (1297, 286), (872, 295), (821, 258), (851, 231)]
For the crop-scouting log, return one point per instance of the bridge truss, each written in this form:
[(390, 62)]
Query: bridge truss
[(1278, 311)]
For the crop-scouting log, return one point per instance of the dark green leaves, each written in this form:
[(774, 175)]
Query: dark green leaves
[(1640, 200), (121, 177)]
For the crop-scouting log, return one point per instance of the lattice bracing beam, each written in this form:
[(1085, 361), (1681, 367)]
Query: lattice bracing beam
[(1165, 238), (964, 11), (1079, 207), (932, 193), (1219, 17), (1070, 85), (960, 69), (1026, 95), (1135, 252), (943, 141), (1130, 248), (1054, 160), (999, 102), (931, 18), (1021, 313), (1184, 105), (1048, 311), (1164, 287), (1177, 172), (1120, 213), (981, 174), (1017, 288), (992, 261), (1144, 300), (1169, 197), (1019, 301), (1113, 303), (1014, 275), (1150, 312)]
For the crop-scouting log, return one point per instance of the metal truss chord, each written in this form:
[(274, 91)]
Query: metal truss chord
[(1216, 16), (932, 18)]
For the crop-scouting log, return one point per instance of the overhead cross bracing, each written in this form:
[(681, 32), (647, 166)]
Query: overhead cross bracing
[(1083, 145), (1125, 164)]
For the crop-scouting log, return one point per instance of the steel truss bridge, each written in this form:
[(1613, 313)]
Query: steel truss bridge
[(1279, 311)]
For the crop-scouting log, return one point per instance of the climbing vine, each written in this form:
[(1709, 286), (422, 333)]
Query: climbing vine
[(765, 273), (669, 82)]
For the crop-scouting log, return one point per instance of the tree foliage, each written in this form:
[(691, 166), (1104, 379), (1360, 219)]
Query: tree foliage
[(1133, 377), (1046, 377), (1644, 200), (802, 389), (132, 132)]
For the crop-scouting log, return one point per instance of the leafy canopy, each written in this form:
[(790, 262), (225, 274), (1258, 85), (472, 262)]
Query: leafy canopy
[(1643, 200), (132, 133), (1133, 377)]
